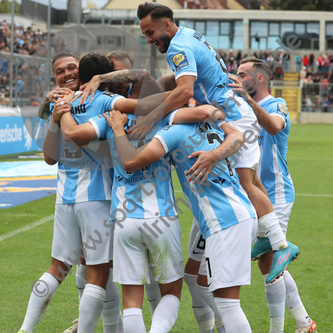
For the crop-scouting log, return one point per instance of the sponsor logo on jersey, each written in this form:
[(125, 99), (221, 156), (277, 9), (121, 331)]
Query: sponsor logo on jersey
[(180, 60)]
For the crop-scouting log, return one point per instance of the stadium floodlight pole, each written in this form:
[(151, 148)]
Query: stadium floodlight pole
[(103, 26), (48, 77), (78, 28), (11, 56)]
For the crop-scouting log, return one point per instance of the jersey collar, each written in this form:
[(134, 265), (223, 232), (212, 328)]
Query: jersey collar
[(264, 100)]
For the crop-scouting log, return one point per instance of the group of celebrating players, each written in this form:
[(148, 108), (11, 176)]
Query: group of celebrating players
[(115, 213)]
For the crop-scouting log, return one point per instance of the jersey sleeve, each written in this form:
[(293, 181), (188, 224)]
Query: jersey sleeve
[(169, 136), (182, 61), (100, 125), (109, 100), (281, 110)]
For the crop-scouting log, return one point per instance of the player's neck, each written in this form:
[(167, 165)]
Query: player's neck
[(260, 95)]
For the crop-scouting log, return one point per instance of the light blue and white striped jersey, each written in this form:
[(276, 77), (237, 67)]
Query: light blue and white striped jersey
[(273, 170), (84, 175), (146, 193), (190, 54), (220, 202)]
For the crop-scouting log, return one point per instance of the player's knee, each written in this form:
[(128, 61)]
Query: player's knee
[(192, 267)]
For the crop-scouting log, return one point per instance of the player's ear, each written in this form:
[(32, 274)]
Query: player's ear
[(129, 96)]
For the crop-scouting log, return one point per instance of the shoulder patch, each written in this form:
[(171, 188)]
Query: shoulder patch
[(101, 114), (180, 60), (282, 109), (109, 94), (166, 128)]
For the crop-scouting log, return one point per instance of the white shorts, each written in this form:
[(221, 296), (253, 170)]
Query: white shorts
[(197, 242), (283, 211), (81, 230), (227, 259), (143, 242), (249, 155)]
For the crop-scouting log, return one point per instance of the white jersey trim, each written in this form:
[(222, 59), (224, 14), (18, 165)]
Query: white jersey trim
[(264, 99), (165, 146), (115, 100), (279, 184), (284, 120), (98, 133), (185, 73)]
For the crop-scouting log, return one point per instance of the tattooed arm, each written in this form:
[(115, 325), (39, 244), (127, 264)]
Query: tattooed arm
[(89, 88)]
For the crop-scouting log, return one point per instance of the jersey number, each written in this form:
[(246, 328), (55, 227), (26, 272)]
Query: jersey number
[(211, 137)]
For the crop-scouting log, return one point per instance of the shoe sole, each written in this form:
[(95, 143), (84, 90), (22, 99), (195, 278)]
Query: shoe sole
[(286, 268)]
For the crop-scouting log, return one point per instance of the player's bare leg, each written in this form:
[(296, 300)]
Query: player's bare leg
[(132, 302)]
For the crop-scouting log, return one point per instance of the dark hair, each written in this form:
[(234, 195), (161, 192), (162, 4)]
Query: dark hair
[(94, 63), (156, 11), (63, 54), (121, 55), (258, 63)]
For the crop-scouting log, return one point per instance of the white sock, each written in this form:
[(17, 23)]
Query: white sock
[(81, 278), (202, 312), (153, 293), (294, 302), (133, 321), (269, 227), (40, 298), (90, 309), (165, 314), (275, 296), (120, 324), (111, 309), (233, 317), (209, 299)]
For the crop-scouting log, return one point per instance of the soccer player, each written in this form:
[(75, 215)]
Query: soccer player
[(200, 73), (83, 196), (121, 61), (253, 78), (221, 206)]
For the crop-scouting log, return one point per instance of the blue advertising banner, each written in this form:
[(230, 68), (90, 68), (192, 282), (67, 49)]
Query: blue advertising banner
[(21, 134)]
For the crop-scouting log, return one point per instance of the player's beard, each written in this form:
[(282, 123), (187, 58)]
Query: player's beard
[(165, 41)]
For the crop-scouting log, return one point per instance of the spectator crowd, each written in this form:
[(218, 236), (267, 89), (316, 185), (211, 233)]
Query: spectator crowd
[(30, 73)]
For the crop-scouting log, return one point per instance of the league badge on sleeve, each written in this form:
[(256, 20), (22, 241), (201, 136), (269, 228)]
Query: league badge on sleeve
[(180, 60), (282, 109)]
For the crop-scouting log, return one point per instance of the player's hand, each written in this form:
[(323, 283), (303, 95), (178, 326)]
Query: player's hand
[(88, 89), (53, 95), (142, 126), (61, 106), (239, 88), (200, 169), (116, 119)]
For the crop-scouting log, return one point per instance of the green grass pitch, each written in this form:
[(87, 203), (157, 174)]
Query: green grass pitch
[(26, 256)]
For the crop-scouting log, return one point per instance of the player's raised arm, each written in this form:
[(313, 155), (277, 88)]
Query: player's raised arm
[(273, 124), (76, 133), (176, 99), (207, 159), (129, 75), (132, 159)]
